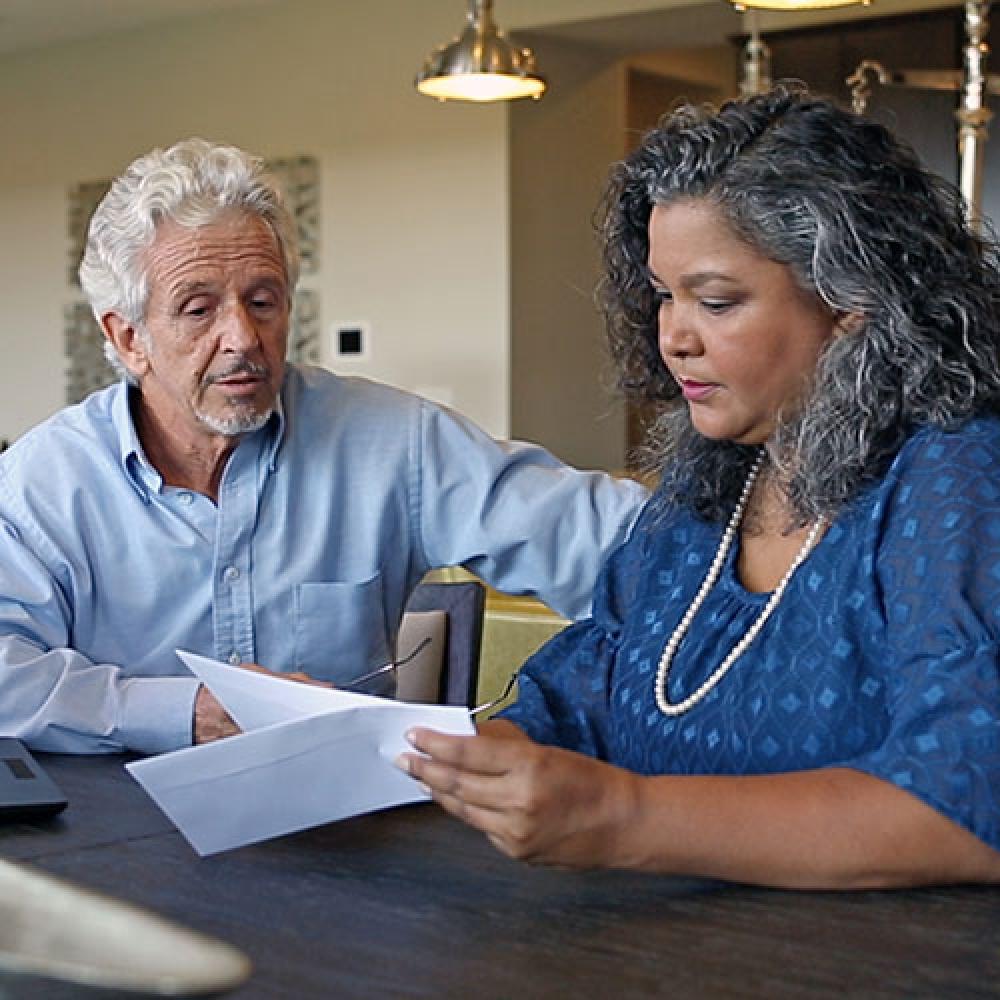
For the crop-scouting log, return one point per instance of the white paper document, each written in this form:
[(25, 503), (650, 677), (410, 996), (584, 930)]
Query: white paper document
[(307, 755)]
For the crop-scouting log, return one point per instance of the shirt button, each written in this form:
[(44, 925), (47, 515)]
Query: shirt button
[(185, 498), (235, 659), (231, 573)]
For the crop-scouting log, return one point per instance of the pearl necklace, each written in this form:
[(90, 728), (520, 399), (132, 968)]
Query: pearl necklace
[(711, 577)]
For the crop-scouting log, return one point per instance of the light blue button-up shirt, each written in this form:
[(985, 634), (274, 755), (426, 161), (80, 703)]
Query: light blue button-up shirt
[(326, 520)]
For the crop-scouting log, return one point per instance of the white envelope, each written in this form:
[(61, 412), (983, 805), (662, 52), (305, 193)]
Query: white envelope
[(307, 755)]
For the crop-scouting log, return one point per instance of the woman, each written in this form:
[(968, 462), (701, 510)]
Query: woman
[(791, 674)]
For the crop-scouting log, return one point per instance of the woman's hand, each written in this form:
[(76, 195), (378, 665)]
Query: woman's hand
[(534, 802), (834, 828)]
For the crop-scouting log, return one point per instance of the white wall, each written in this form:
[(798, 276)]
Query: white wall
[(414, 192)]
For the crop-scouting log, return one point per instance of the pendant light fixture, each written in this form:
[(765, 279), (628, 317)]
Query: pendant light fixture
[(481, 64)]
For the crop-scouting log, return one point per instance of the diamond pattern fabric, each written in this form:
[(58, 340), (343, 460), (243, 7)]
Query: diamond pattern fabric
[(883, 655)]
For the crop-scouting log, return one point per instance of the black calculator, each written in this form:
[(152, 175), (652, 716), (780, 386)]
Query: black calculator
[(26, 791)]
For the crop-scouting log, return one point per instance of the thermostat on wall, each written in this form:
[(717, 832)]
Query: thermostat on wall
[(352, 341)]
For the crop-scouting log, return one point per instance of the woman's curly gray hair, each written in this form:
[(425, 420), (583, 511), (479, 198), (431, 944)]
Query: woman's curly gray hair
[(851, 211), (192, 183)]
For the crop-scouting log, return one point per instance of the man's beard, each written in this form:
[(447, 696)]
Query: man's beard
[(245, 420), (240, 423)]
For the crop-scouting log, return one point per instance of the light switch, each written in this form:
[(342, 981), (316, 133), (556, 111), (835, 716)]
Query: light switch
[(351, 341)]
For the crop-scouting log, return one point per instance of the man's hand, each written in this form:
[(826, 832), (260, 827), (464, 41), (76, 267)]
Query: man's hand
[(213, 722), (534, 802)]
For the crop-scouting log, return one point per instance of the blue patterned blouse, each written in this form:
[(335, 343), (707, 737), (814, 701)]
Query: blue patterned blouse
[(883, 654)]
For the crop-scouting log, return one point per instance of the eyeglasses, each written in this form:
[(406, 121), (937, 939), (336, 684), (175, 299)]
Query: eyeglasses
[(388, 668), (499, 699)]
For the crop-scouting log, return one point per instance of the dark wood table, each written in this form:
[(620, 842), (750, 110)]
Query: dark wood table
[(409, 903)]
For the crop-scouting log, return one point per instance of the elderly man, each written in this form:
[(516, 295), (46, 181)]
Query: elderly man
[(222, 501)]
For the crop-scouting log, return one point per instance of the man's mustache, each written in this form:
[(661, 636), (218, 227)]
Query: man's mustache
[(238, 368)]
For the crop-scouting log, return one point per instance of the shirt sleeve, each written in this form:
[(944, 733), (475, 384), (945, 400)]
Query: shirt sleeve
[(54, 698), (564, 690), (937, 572), (515, 515)]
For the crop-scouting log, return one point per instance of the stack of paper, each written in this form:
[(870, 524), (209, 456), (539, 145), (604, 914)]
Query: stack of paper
[(307, 755)]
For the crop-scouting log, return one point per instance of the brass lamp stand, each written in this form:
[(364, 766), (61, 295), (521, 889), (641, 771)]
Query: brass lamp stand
[(971, 82)]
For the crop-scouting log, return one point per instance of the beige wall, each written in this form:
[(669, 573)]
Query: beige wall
[(561, 379), (416, 206), (414, 192)]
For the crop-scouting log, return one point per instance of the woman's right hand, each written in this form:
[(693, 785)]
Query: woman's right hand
[(536, 803)]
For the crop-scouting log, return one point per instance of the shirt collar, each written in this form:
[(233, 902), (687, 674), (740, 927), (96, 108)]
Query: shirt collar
[(275, 430), (141, 473), (138, 469)]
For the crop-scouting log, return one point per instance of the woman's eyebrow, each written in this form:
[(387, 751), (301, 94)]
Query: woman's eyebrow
[(698, 278), (693, 280)]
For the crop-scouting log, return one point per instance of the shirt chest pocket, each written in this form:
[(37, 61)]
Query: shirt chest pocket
[(340, 629)]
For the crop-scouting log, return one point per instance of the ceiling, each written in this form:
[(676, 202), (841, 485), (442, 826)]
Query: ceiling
[(32, 24), (687, 24)]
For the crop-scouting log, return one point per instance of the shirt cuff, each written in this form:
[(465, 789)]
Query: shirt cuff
[(157, 713)]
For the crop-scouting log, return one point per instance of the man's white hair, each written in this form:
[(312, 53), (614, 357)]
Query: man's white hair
[(192, 183)]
